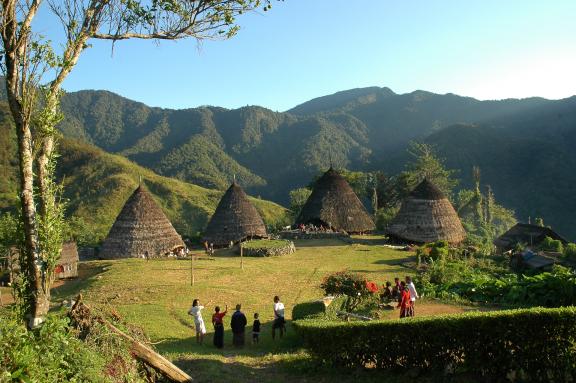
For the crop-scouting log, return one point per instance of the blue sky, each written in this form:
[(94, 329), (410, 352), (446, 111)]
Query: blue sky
[(303, 49)]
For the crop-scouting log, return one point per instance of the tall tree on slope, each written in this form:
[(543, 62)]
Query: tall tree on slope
[(34, 73)]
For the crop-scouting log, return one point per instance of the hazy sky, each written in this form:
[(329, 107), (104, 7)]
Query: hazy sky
[(303, 49)]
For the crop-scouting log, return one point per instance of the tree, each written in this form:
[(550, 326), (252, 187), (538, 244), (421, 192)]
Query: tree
[(298, 198), (426, 164), (28, 60)]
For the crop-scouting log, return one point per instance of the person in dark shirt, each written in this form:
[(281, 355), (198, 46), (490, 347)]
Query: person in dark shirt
[(218, 326), (256, 329), (238, 325)]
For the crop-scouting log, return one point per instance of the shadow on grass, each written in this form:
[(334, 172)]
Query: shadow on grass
[(369, 241), (87, 274), (395, 262), (301, 243), (290, 342), (298, 366)]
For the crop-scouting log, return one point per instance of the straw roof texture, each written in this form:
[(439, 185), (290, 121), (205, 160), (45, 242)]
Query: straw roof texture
[(69, 253), (235, 219), (333, 203), (426, 215), (140, 229)]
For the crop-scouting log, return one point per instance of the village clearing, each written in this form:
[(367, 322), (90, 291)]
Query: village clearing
[(157, 294)]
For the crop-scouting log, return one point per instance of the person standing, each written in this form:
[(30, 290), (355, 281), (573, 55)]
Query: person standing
[(256, 329), (279, 321), (218, 326), (238, 325), (196, 312), (413, 294), (404, 303)]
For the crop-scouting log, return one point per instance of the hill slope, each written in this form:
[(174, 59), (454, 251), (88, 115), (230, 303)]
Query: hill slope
[(96, 185)]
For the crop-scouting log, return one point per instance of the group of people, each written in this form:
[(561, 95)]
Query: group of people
[(238, 323), (404, 292), (311, 228)]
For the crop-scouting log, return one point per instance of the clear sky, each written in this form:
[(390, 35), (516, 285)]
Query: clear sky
[(301, 49)]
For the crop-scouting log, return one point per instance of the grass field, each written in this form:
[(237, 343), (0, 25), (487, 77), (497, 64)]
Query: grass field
[(156, 295)]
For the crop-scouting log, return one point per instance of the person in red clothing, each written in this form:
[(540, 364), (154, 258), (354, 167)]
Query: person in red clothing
[(404, 304), (218, 326)]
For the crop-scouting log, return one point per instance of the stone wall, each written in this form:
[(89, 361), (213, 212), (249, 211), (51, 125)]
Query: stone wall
[(289, 248)]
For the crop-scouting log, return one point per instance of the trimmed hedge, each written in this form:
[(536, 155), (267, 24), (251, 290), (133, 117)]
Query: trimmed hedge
[(317, 310), (308, 310), (539, 342)]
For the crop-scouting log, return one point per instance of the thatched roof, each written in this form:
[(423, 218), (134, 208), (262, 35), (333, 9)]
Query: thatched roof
[(69, 253), (235, 219), (426, 215), (531, 235), (141, 228), (333, 203)]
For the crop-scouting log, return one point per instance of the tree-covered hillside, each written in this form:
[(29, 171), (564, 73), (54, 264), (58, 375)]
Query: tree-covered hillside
[(97, 183), (527, 141)]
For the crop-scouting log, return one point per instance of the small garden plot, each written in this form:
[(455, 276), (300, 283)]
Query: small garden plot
[(267, 248)]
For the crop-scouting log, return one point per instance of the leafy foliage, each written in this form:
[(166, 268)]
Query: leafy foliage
[(471, 341), (298, 198), (570, 251), (426, 164), (49, 354), (549, 244), (355, 287), (484, 280)]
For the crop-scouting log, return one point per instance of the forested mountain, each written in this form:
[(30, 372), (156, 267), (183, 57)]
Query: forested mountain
[(523, 147), (97, 183)]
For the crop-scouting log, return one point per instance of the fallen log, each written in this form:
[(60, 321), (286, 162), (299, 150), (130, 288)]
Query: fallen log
[(80, 312), (151, 357)]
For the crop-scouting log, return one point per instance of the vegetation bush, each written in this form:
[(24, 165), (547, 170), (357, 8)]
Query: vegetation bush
[(317, 309), (308, 310), (549, 244), (462, 280), (355, 287), (538, 342), (570, 251), (49, 354)]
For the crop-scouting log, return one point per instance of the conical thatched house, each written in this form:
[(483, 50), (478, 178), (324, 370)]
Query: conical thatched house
[(234, 220), (426, 215), (141, 230), (334, 204)]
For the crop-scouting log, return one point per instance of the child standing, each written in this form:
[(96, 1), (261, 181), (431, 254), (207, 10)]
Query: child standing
[(256, 329)]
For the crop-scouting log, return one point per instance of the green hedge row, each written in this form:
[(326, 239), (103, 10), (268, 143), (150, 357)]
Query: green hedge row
[(538, 342), (317, 309)]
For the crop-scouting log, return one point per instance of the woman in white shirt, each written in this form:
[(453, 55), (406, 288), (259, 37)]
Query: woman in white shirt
[(196, 312)]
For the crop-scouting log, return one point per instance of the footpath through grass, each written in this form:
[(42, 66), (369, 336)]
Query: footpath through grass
[(157, 294)]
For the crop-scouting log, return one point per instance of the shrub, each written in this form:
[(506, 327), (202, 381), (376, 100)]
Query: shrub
[(308, 310), (539, 342), (549, 244), (458, 280), (317, 309), (49, 354), (354, 286), (570, 251)]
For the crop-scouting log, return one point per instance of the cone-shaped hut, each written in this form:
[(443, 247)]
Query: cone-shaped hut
[(334, 204), (426, 215), (141, 230), (235, 219)]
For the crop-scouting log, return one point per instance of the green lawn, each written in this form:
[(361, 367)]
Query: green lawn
[(156, 294)]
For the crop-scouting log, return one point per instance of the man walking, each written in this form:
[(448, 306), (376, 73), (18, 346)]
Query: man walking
[(413, 294), (238, 324)]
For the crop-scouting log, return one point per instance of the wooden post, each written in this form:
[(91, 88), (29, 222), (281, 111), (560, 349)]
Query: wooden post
[(241, 257), (191, 269)]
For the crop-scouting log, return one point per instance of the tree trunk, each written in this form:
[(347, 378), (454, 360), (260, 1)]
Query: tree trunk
[(32, 264), (36, 298)]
